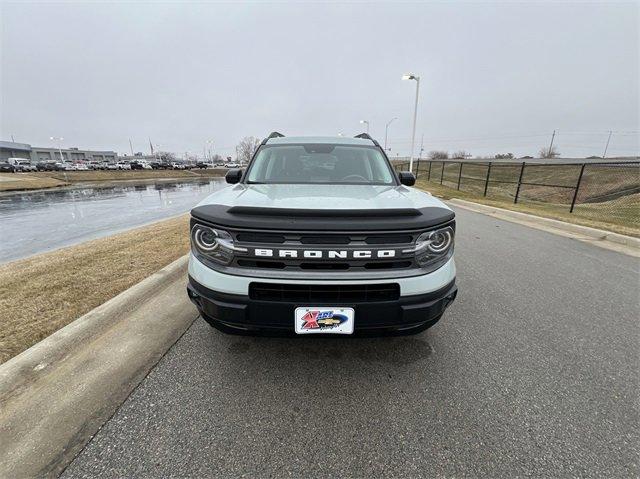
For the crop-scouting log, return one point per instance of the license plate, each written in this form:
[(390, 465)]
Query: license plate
[(325, 319)]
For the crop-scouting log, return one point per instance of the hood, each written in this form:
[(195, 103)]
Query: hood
[(323, 197), (322, 208)]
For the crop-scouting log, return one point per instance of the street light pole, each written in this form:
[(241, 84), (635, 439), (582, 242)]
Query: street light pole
[(386, 131), (410, 76), (59, 140), (367, 122)]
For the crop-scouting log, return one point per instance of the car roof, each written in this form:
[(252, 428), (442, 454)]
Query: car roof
[(338, 140)]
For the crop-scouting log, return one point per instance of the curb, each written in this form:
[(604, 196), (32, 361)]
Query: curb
[(618, 242), (57, 394)]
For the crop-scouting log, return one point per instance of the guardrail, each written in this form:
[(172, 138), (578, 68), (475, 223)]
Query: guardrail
[(608, 188)]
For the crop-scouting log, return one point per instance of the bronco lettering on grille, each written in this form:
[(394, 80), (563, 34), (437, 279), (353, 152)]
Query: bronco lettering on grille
[(325, 253)]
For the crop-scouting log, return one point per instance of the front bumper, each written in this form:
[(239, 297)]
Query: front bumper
[(243, 314)]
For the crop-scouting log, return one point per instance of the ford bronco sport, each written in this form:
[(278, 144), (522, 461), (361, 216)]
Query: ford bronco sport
[(320, 235)]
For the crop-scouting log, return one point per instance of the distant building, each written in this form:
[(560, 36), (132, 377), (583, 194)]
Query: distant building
[(10, 149)]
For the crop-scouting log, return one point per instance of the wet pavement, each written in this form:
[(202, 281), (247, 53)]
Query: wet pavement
[(36, 222)]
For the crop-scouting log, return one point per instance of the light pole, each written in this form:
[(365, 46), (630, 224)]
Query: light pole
[(367, 123), (386, 131), (208, 147), (59, 139), (411, 76)]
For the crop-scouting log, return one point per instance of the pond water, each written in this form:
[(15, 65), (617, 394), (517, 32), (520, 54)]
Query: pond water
[(36, 222)]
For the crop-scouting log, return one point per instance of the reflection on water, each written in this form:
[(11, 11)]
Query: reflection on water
[(40, 221)]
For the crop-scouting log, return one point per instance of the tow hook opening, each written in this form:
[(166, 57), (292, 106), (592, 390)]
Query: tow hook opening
[(194, 297), (449, 299)]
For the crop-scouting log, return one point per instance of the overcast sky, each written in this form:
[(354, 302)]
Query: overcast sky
[(496, 77)]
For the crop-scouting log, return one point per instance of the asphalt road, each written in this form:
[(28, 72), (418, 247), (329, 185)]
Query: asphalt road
[(532, 372)]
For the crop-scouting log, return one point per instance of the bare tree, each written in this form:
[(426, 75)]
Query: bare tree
[(246, 148), (460, 155), (549, 152), (438, 155), (165, 155)]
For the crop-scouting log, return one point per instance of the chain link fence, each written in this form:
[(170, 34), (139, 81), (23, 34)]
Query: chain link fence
[(608, 192)]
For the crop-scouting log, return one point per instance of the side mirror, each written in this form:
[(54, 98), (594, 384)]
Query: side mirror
[(407, 178), (233, 176)]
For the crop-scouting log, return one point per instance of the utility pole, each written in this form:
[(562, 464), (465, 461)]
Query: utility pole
[(551, 144), (421, 146), (131, 146), (12, 139), (604, 155)]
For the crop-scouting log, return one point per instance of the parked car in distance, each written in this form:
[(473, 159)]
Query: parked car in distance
[(95, 165), (112, 166), (202, 165), (175, 165), (69, 166), (21, 164), (122, 165), (47, 166), (140, 165), (6, 167), (232, 165), (81, 167)]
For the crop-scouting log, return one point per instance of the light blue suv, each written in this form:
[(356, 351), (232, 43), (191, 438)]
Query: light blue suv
[(320, 236)]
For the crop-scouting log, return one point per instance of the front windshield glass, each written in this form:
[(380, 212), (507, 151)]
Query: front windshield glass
[(320, 164)]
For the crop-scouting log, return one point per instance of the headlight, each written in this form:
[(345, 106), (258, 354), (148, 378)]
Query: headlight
[(433, 248), (213, 243)]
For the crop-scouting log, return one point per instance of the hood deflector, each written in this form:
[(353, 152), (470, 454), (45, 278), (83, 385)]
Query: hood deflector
[(330, 220)]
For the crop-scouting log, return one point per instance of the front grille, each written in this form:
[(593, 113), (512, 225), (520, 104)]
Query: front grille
[(330, 293), (323, 239)]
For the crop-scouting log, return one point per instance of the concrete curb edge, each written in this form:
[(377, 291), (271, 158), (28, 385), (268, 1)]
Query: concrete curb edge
[(63, 342), (57, 394)]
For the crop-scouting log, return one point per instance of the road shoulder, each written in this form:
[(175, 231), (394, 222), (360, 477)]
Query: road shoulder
[(56, 395)]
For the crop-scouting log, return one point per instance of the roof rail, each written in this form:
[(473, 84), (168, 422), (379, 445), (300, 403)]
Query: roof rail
[(365, 136), (273, 134)]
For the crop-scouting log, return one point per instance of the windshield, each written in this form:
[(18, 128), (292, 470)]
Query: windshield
[(320, 164)]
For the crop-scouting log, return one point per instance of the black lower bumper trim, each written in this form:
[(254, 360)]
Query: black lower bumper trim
[(243, 314)]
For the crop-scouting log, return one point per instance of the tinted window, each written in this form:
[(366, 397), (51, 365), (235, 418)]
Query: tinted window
[(322, 163)]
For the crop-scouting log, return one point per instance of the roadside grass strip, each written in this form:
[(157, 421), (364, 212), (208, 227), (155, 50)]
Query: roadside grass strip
[(622, 213), (43, 293)]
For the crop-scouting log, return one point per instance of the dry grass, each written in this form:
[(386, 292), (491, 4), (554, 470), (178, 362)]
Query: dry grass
[(51, 179), (20, 181), (41, 294), (622, 214)]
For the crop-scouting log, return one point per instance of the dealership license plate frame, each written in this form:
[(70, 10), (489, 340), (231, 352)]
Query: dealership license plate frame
[(346, 327)]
